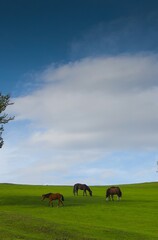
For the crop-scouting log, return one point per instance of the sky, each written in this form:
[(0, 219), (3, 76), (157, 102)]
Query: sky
[(83, 77)]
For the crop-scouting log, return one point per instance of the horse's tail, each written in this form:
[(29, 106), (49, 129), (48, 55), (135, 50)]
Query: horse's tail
[(62, 197)]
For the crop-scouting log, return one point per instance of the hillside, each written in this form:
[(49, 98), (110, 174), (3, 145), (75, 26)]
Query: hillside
[(24, 216)]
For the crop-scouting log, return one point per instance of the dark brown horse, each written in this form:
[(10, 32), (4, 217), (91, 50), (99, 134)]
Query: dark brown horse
[(54, 196), (83, 187), (110, 192)]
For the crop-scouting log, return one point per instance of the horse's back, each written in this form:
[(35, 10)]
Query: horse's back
[(79, 186), (118, 190), (114, 190), (56, 195), (82, 186)]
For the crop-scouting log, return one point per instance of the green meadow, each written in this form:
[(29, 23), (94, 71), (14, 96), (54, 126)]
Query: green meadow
[(24, 216)]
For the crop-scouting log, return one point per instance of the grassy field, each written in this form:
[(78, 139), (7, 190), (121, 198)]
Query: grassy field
[(24, 216)]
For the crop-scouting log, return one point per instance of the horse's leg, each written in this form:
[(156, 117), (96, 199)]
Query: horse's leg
[(84, 192), (75, 192), (108, 198), (51, 202), (59, 201)]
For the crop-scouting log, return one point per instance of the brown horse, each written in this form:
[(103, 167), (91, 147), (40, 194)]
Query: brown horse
[(110, 192), (83, 187), (54, 196)]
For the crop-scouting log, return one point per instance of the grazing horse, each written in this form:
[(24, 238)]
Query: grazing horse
[(110, 192), (83, 187), (54, 196)]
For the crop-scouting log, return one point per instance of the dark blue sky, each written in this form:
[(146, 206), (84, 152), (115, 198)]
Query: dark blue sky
[(36, 33)]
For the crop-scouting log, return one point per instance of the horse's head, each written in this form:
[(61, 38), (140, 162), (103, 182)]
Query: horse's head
[(90, 192), (43, 197)]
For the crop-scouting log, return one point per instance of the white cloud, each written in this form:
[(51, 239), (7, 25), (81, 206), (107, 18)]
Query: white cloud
[(83, 111), (103, 102)]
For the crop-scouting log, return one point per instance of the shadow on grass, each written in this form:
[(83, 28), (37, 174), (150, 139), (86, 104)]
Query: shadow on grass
[(20, 200), (37, 201), (69, 201)]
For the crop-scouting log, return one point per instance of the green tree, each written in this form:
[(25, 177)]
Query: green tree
[(4, 118)]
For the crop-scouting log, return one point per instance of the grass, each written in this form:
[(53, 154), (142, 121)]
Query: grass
[(24, 216)]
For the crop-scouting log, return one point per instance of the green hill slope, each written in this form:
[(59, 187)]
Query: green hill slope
[(24, 216)]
